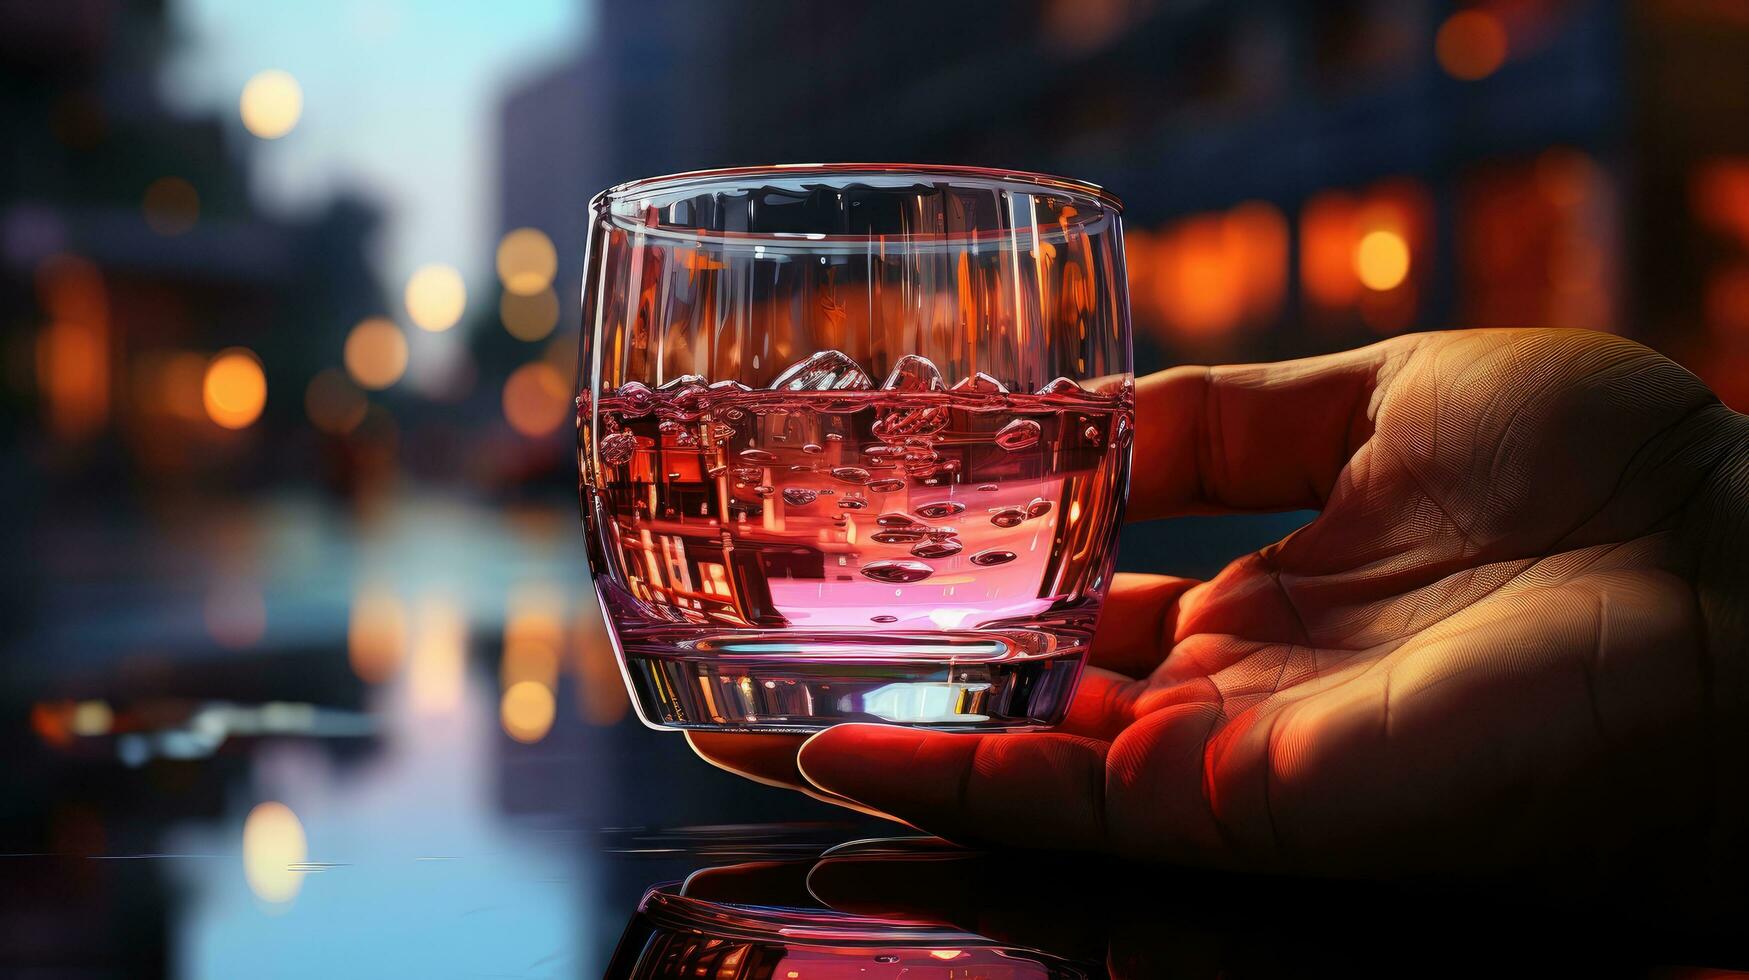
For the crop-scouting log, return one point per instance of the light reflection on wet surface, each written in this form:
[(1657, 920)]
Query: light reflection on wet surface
[(354, 792)]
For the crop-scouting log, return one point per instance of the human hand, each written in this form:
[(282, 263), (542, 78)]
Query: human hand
[(1515, 635)]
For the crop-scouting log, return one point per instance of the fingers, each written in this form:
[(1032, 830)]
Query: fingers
[(768, 759), (1040, 790), (1138, 622), (1254, 437)]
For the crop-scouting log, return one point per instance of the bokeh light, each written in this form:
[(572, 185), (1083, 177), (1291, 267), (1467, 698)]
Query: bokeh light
[(73, 351), (334, 404), (527, 261), (1471, 45), (438, 664), (271, 104), (529, 317), (436, 297), (273, 845), (1381, 260), (235, 389), (171, 206), (376, 633), (536, 399), (534, 634), (527, 711), (236, 615), (376, 353)]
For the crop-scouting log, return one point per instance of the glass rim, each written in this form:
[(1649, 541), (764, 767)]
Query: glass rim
[(730, 176)]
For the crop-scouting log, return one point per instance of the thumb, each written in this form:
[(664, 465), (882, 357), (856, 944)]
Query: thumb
[(1041, 790)]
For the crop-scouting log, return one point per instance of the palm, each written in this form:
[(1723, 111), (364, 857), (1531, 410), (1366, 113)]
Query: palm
[(1489, 640)]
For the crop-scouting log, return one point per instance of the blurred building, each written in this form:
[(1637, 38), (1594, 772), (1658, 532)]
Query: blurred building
[(131, 253), (1299, 177)]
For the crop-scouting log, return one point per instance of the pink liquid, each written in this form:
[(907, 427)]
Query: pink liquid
[(917, 522)]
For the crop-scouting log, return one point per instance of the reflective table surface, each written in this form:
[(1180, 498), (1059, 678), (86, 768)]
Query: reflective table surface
[(287, 741)]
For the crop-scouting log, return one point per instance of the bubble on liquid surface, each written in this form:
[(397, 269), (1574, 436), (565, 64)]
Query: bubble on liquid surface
[(1038, 508), (941, 509), (895, 520), (979, 384), (897, 571), (834, 437), (799, 496), (852, 503), (635, 399), (1011, 517), (992, 557), (748, 473), (914, 372), (813, 449), (883, 452), (989, 488), (1018, 434), (684, 381), (1091, 434), (764, 490), (883, 618), (937, 549), (758, 456), (618, 448), (850, 474), (727, 386), (886, 486), (716, 471), (898, 535), (829, 370)]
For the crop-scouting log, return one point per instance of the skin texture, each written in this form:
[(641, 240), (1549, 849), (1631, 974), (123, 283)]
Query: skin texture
[(1513, 638)]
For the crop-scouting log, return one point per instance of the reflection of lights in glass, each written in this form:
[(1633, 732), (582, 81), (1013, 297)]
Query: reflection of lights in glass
[(439, 656), (271, 104), (333, 403), (1471, 44), (235, 390), (527, 261), (171, 206), (376, 634), (236, 615), (923, 702), (436, 297), (376, 353), (946, 954), (273, 842), (529, 317), (527, 711), (1381, 260), (536, 399)]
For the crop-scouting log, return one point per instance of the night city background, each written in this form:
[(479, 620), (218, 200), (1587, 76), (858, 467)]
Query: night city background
[(302, 673)]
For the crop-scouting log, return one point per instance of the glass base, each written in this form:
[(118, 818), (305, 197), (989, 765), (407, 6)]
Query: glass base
[(784, 681)]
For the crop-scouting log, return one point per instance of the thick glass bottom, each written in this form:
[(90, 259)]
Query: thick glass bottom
[(784, 681)]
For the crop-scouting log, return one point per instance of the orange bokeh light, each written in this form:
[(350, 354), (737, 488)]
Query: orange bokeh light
[(235, 389), (536, 399), (376, 634), (375, 353), (1381, 260), (526, 711), (1471, 45), (1207, 274), (72, 352)]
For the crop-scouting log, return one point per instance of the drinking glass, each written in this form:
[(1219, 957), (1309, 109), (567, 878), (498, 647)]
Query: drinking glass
[(854, 441)]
